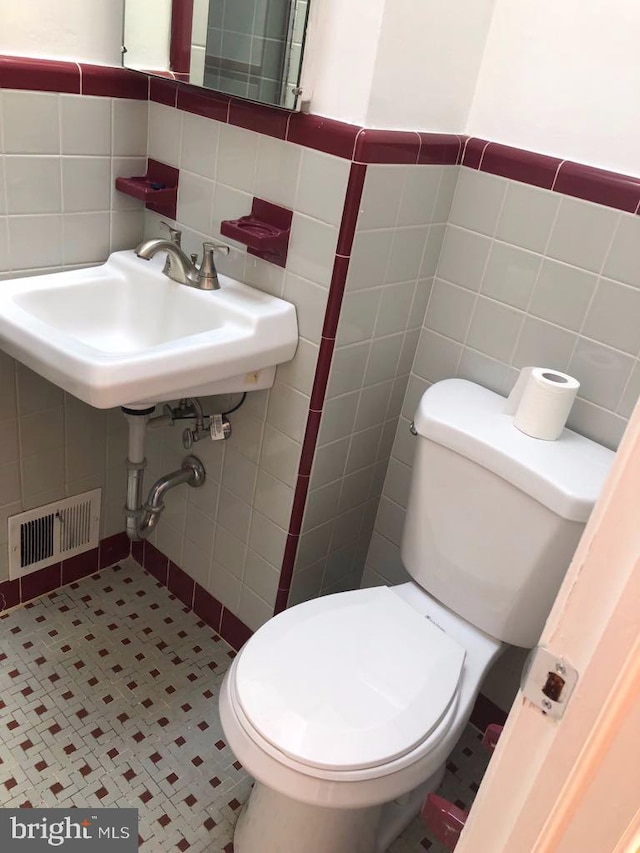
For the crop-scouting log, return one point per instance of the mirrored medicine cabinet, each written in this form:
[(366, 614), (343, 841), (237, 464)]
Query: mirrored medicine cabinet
[(246, 48)]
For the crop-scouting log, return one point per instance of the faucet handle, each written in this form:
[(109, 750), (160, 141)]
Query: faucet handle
[(214, 246), (175, 235), (208, 275)]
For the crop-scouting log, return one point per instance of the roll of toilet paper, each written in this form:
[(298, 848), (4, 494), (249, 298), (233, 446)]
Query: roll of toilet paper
[(545, 402), (513, 400)]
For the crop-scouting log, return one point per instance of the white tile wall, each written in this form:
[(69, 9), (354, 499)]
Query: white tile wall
[(398, 235), (246, 508), (54, 446), (57, 209), (525, 276), (505, 276), (58, 159)]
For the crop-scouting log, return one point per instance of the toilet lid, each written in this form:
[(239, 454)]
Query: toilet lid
[(348, 681)]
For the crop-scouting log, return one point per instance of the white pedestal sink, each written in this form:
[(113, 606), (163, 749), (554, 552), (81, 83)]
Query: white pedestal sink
[(124, 334)]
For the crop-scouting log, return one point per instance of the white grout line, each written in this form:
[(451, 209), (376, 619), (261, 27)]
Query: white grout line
[(555, 177), (479, 169)]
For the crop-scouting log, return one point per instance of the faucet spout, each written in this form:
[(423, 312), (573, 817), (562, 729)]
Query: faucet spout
[(181, 268)]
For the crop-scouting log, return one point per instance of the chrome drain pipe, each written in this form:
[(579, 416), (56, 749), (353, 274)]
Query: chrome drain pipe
[(136, 463), (141, 519), (135, 473), (192, 473)]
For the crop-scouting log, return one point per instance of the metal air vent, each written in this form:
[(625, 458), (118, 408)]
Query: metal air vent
[(55, 532)]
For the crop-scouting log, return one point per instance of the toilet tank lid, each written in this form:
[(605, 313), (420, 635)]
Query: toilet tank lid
[(565, 475)]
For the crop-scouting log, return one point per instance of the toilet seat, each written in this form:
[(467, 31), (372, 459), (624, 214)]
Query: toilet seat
[(347, 683)]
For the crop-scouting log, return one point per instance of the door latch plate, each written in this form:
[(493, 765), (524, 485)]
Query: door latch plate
[(548, 681)]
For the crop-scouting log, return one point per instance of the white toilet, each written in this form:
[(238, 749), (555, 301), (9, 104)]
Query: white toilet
[(345, 708)]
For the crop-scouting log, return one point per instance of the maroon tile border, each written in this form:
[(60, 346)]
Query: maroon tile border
[(181, 585), (47, 75), (286, 575), (321, 379), (232, 630), (353, 197), (155, 563), (207, 607), (473, 151), (440, 149), (297, 509), (539, 170), (178, 582), (323, 134), (114, 548), (282, 597), (270, 121), (81, 566), (42, 75), (309, 442), (387, 146), (163, 91), (352, 142), (9, 594), (600, 186), (40, 582), (207, 104), (609, 188), (114, 82), (110, 551), (196, 598), (336, 294)]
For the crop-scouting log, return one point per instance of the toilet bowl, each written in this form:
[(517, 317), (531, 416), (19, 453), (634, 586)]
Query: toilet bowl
[(345, 708), (343, 704)]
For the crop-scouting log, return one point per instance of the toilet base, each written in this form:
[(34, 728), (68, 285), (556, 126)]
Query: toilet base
[(271, 822), (396, 816)]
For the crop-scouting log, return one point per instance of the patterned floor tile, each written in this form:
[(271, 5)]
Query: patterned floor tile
[(109, 698)]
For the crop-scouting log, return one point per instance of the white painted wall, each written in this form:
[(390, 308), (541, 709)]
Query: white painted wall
[(340, 57), (563, 79), (559, 78), (147, 32), (402, 64), (427, 63), (78, 30)]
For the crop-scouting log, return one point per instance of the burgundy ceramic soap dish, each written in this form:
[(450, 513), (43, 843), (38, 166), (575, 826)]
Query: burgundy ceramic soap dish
[(158, 189), (265, 231)]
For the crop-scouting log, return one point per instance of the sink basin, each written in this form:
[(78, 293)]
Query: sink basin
[(123, 334)]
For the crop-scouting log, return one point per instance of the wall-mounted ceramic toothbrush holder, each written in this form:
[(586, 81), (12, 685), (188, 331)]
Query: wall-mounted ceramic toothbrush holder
[(265, 231), (158, 189)]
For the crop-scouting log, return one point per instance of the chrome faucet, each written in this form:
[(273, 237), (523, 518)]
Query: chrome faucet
[(179, 267), (175, 235)]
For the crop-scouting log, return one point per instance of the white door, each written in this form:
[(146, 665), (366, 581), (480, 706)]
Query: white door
[(573, 785)]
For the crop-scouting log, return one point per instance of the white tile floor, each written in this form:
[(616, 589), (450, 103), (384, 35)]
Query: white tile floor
[(109, 698)]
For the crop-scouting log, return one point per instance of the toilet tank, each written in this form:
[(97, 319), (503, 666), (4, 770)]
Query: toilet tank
[(494, 515)]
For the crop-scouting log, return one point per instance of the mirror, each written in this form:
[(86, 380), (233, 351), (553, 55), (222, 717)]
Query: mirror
[(246, 48)]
